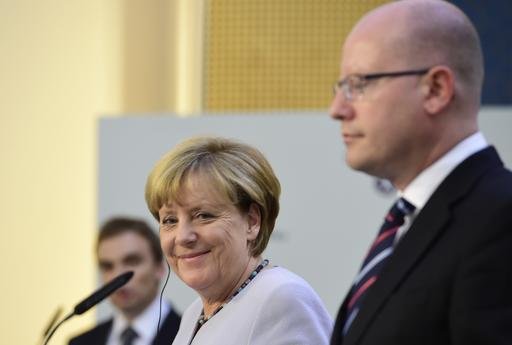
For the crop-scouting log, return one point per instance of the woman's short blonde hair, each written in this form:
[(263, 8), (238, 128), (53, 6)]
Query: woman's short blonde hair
[(238, 171)]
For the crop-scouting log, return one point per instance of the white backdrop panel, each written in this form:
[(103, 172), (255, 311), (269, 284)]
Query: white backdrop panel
[(329, 213)]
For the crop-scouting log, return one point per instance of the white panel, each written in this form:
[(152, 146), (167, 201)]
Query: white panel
[(329, 213)]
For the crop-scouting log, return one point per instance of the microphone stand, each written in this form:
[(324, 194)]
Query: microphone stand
[(51, 323), (93, 299), (69, 316)]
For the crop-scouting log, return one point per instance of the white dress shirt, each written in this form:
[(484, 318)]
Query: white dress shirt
[(423, 186), (145, 324)]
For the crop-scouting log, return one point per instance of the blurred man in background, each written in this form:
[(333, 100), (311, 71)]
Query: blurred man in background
[(126, 244)]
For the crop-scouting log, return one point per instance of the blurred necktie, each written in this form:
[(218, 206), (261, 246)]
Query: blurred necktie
[(377, 256), (128, 336)]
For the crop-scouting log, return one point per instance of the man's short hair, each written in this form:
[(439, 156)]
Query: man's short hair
[(120, 225)]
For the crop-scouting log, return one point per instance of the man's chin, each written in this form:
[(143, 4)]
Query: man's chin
[(123, 305), (356, 162), (129, 311)]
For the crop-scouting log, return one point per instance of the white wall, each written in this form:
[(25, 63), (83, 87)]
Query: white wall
[(58, 72), (329, 213)]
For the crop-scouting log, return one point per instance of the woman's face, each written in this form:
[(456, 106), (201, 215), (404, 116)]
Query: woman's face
[(205, 238)]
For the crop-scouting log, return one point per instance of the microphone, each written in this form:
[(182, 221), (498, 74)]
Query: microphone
[(95, 298), (102, 293)]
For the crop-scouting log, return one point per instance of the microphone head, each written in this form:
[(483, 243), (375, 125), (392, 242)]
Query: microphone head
[(100, 294)]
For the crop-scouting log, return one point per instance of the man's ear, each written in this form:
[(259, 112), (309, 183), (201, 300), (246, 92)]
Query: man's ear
[(438, 88), (254, 222)]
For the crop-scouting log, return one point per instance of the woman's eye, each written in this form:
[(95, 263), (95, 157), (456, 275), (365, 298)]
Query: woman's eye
[(169, 221), (204, 215)]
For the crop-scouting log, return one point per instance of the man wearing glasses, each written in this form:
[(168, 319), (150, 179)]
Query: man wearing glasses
[(440, 268)]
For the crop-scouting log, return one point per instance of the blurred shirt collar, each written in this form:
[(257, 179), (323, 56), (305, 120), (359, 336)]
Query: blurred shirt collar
[(145, 324)]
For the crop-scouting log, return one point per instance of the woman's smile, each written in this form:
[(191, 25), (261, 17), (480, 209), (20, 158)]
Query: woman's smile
[(194, 258)]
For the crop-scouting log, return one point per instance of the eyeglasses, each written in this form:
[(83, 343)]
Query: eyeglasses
[(353, 85)]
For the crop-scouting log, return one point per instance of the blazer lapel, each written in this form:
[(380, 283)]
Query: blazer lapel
[(336, 337), (168, 329), (103, 332), (426, 228)]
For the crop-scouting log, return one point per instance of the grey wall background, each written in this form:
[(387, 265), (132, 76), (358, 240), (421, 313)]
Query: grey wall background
[(329, 213)]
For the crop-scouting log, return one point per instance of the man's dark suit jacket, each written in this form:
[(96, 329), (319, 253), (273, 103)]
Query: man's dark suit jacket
[(99, 334), (449, 280)]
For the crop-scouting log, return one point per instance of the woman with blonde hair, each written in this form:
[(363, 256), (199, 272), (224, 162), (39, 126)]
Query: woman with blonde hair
[(217, 201)]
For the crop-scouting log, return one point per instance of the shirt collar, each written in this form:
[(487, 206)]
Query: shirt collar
[(145, 324), (423, 186)]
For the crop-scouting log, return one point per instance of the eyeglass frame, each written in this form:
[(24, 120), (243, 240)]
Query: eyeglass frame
[(344, 86)]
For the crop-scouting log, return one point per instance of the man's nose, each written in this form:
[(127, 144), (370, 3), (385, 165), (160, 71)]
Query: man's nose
[(340, 108)]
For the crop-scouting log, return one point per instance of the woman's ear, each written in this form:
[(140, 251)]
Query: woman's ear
[(438, 88), (254, 222)]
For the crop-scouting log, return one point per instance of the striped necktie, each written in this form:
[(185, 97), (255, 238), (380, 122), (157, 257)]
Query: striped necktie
[(377, 256)]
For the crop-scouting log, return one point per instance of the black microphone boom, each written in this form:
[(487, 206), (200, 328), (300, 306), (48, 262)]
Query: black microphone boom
[(94, 299), (102, 293)]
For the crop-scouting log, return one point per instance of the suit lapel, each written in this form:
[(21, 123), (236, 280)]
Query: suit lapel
[(427, 227), (168, 329), (336, 337), (410, 249), (103, 331)]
